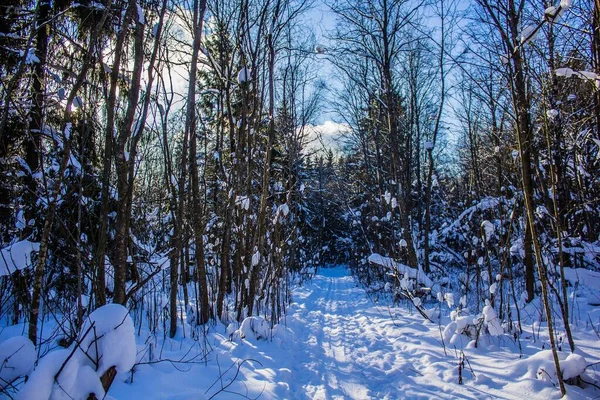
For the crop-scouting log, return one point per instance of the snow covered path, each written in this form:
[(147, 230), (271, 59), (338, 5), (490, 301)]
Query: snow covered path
[(339, 344), (348, 353), (353, 350), (350, 348)]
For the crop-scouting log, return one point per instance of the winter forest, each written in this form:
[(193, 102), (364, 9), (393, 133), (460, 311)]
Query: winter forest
[(176, 222)]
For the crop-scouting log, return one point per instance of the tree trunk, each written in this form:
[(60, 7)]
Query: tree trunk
[(53, 196), (125, 152), (525, 143), (197, 208), (105, 197), (436, 128), (596, 59)]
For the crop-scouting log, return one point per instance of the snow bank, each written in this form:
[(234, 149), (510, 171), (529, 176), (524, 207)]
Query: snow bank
[(41, 382), (583, 276), (540, 366), (17, 356), (107, 339), (462, 323), (587, 283), (112, 340), (402, 269), (17, 256)]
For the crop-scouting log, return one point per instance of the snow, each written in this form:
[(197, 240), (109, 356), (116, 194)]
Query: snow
[(96, 5), (566, 4), (402, 269), (244, 75), (529, 33), (484, 204), (68, 130), (566, 72), (253, 328), (583, 276), (282, 209), (337, 343), (243, 202), (488, 229), (490, 319), (115, 345), (449, 299), (319, 49), (554, 14), (140, 14), (517, 249), (387, 196), (573, 366), (17, 356), (17, 256), (41, 382), (587, 75), (31, 58), (255, 258), (106, 339), (586, 282), (552, 114)]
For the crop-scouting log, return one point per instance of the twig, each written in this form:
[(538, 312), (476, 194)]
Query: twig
[(73, 352), (593, 327), (588, 383), (237, 372)]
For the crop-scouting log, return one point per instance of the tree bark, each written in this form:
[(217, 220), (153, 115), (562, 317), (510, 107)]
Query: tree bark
[(197, 208), (109, 138), (125, 153)]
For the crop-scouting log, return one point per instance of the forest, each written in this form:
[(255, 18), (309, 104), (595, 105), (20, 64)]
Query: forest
[(162, 171)]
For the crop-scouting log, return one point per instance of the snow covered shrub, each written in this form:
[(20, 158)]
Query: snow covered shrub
[(106, 340), (17, 356), (253, 328), (572, 367), (462, 324), (491, 321)]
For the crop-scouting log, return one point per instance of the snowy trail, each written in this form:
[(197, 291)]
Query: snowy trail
[(338, 344), (348, 351), (350, 348)]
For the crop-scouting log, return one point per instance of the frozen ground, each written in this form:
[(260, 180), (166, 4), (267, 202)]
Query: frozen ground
[(338, 344)]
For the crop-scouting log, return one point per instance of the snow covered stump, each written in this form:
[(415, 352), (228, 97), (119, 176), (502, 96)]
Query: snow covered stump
[(104, 347)]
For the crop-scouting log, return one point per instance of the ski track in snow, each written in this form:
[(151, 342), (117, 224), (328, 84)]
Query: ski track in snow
[(352, 350), (347, 358)]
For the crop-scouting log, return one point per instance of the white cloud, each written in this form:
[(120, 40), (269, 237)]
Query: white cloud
[(328, 135)]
